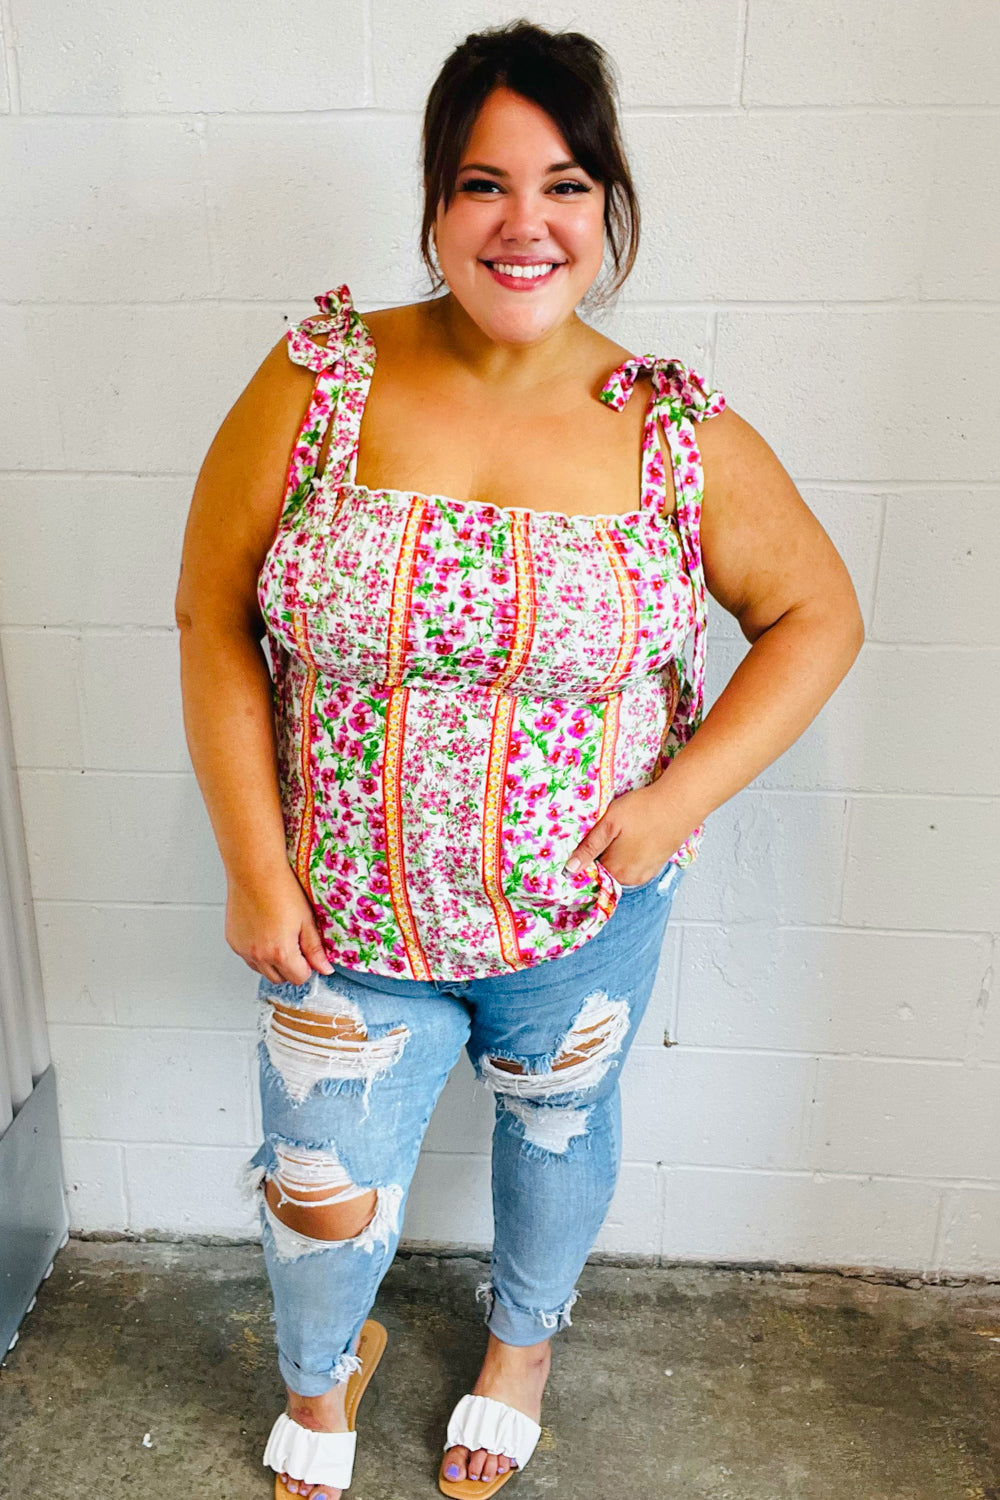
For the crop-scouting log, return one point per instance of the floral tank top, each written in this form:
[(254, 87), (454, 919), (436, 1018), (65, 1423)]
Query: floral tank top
[(461, 689)]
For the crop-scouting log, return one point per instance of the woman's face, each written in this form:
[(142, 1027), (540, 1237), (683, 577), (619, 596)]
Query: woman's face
[(511, 207)]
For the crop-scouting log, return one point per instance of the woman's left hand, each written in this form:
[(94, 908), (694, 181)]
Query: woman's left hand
[(634, 839)]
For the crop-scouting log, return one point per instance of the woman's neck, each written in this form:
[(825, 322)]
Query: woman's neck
[(519, 369)]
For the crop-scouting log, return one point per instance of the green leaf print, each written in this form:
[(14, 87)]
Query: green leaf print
[(296, 500), (372, 749)]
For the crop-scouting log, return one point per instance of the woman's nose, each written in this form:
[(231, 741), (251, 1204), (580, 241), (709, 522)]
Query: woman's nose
[(523, 222)]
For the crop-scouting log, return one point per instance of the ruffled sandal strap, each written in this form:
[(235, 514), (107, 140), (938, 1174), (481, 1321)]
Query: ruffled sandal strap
[(482, 1422), (315, 1457)]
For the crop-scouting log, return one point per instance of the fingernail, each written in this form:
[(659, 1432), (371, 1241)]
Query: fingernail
[(572, 865), (451, 1472)]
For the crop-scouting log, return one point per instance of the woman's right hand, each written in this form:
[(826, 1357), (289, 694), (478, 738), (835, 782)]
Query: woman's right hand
[(272, 928)]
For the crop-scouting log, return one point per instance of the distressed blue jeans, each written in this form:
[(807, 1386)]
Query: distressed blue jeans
[(351, 1066)]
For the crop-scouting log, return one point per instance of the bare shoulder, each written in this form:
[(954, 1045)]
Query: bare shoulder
[(764, 551), (240, 488), (389, 319), (405, 329)]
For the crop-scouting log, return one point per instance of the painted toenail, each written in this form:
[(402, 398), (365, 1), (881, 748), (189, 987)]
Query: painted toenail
[(451, 1472)]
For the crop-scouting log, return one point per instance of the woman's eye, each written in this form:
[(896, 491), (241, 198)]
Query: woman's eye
[(477, 184)]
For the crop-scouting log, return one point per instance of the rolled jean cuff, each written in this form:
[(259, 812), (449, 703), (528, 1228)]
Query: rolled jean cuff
[(317, 1383), (516, 1325)]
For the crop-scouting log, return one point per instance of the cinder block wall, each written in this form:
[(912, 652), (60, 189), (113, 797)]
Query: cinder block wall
[(818, 1077)]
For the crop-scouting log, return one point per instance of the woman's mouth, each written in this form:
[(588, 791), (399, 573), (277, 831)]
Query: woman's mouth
[(522, 278)]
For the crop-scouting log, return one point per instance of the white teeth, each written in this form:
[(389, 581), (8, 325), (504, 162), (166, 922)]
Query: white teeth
[(523, 272)]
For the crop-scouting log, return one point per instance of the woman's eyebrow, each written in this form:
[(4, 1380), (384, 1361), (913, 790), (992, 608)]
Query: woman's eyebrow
[(558, 166)]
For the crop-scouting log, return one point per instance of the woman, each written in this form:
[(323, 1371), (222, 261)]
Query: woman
[(460, 814)]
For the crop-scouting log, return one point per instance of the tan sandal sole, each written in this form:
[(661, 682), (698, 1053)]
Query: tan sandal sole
[(371, 1346), (467, 1489)]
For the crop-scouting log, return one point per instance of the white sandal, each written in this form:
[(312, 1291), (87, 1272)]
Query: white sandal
[(324, 1457), (482, 1422)]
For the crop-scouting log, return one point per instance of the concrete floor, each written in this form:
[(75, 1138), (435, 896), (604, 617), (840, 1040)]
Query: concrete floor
[(147, 1371)]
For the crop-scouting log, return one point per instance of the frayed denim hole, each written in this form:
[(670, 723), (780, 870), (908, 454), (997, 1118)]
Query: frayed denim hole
[(306, 1063), (325, 1088), (531, 1151), (530, 1066), (275, 1139), (598, 1012), (269, 1074), (272, 1077), (303, 1171), (289, 1245), (548, 1131)]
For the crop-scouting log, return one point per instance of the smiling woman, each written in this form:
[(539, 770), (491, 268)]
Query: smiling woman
[(535, 226), (553, 92), (458, 813)]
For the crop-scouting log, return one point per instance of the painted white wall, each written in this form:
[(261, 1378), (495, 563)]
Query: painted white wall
[(818, 242)]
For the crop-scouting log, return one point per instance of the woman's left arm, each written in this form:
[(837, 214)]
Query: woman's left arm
[(768, 561)]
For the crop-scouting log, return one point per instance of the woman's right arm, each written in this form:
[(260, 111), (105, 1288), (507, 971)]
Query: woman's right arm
[(225, 682)]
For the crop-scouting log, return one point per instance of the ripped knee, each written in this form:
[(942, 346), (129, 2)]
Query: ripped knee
[(310, 1191), (579, 1064), (583, 1057), (311, 1205), (549, 1127), (328, 1041)]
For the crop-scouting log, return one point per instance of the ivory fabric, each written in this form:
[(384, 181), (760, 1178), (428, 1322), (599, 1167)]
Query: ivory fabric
[(316, 1457), (481, 1422)]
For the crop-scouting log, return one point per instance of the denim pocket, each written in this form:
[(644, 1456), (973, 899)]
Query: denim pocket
[(628, 890)]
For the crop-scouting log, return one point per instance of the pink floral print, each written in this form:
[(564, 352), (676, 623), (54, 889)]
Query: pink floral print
[(460, 689)]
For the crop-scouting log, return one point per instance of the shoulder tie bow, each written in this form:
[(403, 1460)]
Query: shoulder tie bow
[(618, 386), (335, 317)]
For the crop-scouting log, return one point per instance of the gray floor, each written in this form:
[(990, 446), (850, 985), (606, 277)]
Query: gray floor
[(148, 1371)]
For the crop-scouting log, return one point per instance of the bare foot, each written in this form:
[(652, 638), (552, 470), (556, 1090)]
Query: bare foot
[(320, 1414), (516, 1376)]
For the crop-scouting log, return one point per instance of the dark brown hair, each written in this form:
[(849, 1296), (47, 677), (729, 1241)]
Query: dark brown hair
[(573, 80)]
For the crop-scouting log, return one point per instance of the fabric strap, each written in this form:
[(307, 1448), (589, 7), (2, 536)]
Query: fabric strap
[(316, 1457), (481, 1422)]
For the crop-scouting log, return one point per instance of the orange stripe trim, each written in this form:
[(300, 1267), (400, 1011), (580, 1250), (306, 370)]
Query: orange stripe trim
[(629, 635), (402, 594), (303, 853), (392, 768), (492, 844), (606, 900), (525, 609)]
